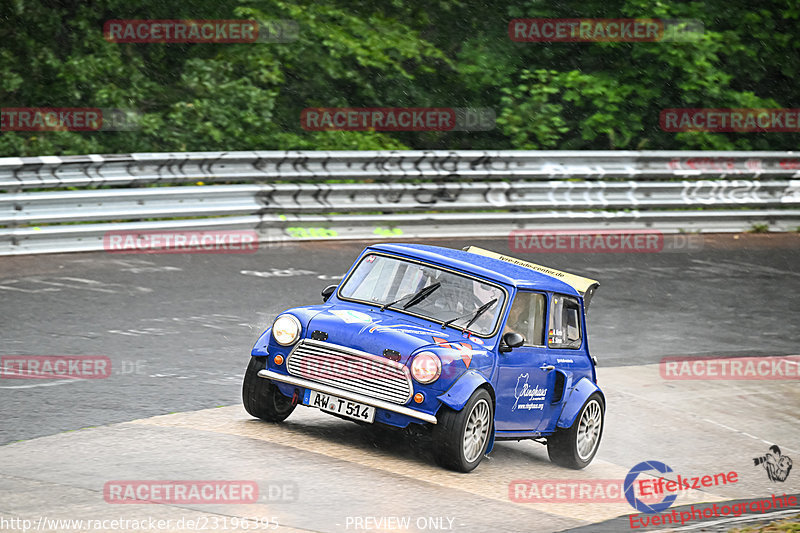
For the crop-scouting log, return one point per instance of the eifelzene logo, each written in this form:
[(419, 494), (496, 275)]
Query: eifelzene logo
[(668, 487)]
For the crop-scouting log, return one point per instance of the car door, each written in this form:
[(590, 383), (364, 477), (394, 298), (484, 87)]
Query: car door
[(566, 351), (525, 375)]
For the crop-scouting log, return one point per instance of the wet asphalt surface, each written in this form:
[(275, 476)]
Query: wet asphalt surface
[(178, 328)]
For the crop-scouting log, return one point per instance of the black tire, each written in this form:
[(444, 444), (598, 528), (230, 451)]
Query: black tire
[(562, 446), (450, 433), (260, 397)]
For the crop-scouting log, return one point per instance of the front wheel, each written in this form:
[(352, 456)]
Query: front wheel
[(575, 446), (261, 398), (461, 437)]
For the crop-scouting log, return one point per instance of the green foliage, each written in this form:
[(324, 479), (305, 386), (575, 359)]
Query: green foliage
[(758, 228), (362, 53)]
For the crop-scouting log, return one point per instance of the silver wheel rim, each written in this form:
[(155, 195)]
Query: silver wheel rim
[(589, 428), (476, 432)]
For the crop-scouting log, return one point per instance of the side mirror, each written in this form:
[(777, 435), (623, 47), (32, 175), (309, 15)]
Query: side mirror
[(327, 291), (511, 340)]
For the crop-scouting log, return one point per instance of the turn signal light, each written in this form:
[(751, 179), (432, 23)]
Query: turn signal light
[(278, 359), (419, 397)]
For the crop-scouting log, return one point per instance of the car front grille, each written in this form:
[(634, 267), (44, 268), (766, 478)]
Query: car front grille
[(350, 370)]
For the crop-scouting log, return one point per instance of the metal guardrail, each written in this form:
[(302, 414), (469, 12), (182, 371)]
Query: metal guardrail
[(358, 195)]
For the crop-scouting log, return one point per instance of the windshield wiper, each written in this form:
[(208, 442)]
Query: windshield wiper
[(478, 312), (415, 298)]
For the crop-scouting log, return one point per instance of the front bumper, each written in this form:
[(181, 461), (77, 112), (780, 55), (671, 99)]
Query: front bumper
[(352, 396)]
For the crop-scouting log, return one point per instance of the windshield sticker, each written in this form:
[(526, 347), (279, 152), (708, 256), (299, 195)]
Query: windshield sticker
[(527, 394), (351, 317), (403, 328), (475, 339)]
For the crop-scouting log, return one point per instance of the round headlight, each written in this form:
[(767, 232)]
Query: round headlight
[(426, 367), (286, 329)]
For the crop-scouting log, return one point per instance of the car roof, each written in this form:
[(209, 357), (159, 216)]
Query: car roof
[(487, 267)]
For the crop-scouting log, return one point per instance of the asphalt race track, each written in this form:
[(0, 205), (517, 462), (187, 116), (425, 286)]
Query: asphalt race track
[(178, 329)]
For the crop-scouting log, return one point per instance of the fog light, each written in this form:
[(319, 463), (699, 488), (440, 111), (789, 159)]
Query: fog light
[(278, 359), (419, 397)]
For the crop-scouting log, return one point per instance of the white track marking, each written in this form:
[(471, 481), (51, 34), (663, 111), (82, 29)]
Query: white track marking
[(745, 434), (46, 384)]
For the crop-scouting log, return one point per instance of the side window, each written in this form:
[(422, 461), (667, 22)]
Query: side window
[(526, 317), (564, 330)]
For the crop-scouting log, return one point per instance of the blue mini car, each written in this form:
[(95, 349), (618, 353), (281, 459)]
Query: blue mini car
[(480, 346)]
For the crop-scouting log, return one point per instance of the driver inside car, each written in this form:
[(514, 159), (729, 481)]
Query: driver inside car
[(519, 316)]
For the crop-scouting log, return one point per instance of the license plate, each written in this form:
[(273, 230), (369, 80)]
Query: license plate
[(339, 406)]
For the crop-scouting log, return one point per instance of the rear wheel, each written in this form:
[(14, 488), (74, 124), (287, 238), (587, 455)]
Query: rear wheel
[(460, 438), (575, 446), (261, 398)]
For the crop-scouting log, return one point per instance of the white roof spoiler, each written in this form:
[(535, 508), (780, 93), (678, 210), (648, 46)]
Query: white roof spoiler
[(584, 286)]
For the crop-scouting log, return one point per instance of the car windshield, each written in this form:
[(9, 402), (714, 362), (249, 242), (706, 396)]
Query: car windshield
[(382, 280)]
